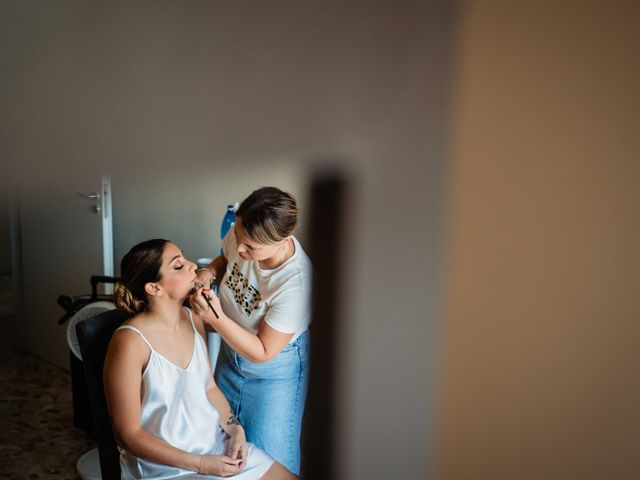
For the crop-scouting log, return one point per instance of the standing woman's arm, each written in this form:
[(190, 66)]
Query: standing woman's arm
[(124, 364), (258, 348)]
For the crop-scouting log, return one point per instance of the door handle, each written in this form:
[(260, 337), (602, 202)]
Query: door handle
[(92, 196)]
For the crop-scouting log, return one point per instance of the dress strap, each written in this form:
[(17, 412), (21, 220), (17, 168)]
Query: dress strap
[(196, 334), (129, 327), (191, 318)]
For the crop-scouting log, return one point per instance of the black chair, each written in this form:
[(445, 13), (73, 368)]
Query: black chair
[(93, 337)]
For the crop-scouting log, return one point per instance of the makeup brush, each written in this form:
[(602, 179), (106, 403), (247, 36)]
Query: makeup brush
[(210, 306)]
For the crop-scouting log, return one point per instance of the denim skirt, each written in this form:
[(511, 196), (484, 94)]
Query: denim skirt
[(268, 398)]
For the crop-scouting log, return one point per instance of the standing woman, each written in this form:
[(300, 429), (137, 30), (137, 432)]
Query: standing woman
[(263, 312)]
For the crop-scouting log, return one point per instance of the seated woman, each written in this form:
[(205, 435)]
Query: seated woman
[(169, 418)]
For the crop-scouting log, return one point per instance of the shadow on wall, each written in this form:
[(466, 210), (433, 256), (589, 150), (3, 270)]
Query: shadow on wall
[(5, 236), (327, 219)]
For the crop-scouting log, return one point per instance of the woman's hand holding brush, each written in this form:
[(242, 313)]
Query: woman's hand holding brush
[(205, 304)]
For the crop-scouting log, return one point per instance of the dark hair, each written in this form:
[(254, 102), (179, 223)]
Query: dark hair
[(268, 215), (138, 267)]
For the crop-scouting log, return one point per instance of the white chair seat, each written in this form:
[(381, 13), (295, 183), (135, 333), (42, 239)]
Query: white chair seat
[(88, 466)]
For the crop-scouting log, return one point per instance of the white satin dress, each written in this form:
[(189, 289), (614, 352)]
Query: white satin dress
[(176, 409)]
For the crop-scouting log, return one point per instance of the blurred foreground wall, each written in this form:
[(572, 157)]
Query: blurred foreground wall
[(541, 323)]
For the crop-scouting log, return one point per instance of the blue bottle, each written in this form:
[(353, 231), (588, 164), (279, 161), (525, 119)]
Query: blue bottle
[(227, 221)]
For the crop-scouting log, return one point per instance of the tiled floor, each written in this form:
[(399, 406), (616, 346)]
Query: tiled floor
[(37, 436)]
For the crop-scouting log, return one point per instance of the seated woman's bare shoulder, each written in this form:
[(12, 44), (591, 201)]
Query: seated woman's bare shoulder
[(127, 345)]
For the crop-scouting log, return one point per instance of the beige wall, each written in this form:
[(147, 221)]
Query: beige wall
[(541, 325), (187, 206)]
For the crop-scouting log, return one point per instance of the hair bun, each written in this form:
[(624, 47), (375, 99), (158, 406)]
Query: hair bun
[(125, 301)]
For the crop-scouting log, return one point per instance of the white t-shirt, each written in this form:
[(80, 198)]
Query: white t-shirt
[(281, 296)]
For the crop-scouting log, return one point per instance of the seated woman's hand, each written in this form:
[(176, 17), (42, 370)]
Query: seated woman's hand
[(237, 444), (220, 465)]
